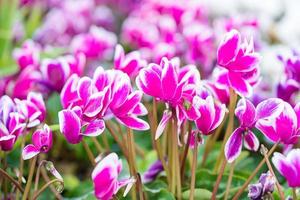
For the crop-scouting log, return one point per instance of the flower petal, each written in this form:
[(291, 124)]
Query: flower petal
[(233, 145), (169, 79), (228, 48), (134, 123), (162, 124), (271, 107), (29, 152), (240, 85), (250, 141), (70, 126), (94, 104), (245, 111), (94, 128)]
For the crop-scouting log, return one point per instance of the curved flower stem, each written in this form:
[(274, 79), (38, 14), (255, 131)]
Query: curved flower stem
[(11, 179), (194, 166), (219, 178), (29, 179), (97, 145), (47, 179), (238, 194), (229, 180), (264, 150), (230, 125), (21, 165), (54, 127), (186, 150), (89, 152), (121, 144), (35, 196), (37, 175)]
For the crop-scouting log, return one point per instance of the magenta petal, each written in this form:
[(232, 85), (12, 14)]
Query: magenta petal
[(285, 169), (69, 93), (119, 56), (169, 79), (140, 110), (94, 128), (245, 111), (270, 107), (297, 111), (241, 86), (149, 82), (219, 116), (7, 142), (134, 123), (268, 130), (250, 141), (29, 152), (233, 145), (84, 88), (131, 102), (228, 48), (121, 89), (94, 104), (70, 126), (162, 124)]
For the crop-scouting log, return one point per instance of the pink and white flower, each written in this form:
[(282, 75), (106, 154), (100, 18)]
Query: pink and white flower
[(130, 63), (41, 143), (289, 166), (27, 55), (239, 64), (105, 178)]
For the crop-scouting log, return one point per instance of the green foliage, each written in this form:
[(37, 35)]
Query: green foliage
[(201, 194), (158, 190)]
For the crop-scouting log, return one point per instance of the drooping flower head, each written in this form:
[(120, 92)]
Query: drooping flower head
[(105, 178), (239, 63), (10, 123), (264, 187), (41, 143), (289, 166)]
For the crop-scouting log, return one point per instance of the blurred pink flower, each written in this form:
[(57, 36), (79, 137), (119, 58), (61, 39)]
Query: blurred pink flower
[(32, 109), (10, 123), (27, 55), (130, 63), (239, 63), (97, 43), (41, 143), (289, 166), (105, 178)]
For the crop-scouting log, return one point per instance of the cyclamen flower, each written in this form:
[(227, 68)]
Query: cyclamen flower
[(264, 186), (98, 43), (206, 113), (289, 166), (168, 83), (105, 178), (32, 109), (239, 63), (41, 143), (27, 55), (284, 126), (249, 117), (153, 171), (246, 113), (130, 63), (10, 123), (57, 71)]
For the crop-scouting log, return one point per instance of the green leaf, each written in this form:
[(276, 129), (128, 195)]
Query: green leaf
[(201, 194), (158, 190), (53, 107)]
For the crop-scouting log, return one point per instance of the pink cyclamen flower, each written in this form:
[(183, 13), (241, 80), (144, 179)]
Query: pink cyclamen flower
[(10, 123), (27, 55), (98, 43), (41, 143), (239, 63), (246, 113), (105, 178), (32, 109), (168, 83), (289, 166), (283, 126), (130, 63)]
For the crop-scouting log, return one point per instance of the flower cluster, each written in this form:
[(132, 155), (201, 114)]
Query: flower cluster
[(87, 102)]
